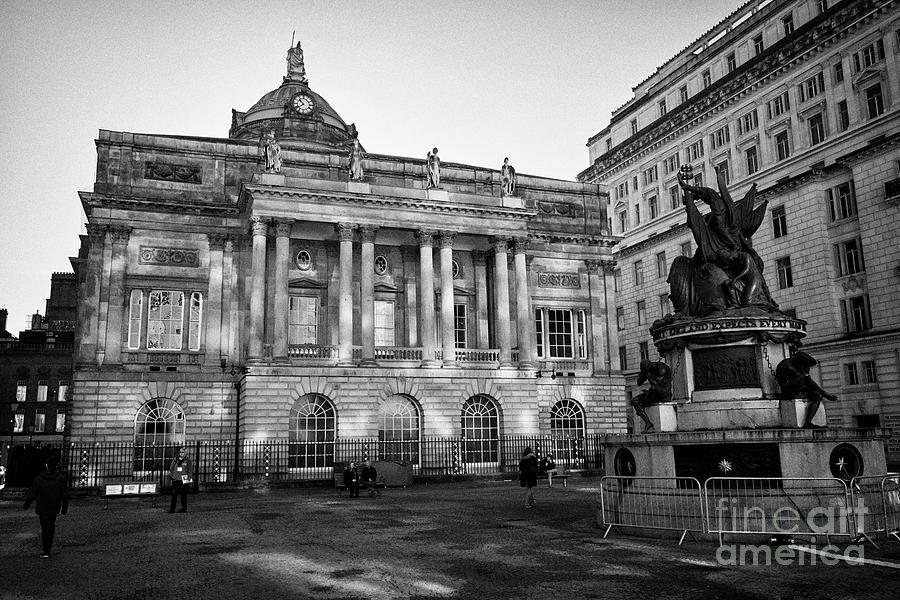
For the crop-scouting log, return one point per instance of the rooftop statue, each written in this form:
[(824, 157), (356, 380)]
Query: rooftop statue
[(433, 170), (507, 179), (296, 70), (273, 153), (725, 271), (356, 156)]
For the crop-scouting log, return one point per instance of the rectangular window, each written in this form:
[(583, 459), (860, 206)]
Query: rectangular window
[(671, 164), (42, 388), (634, 126), (843, 116), (874, 101), (698, 177), (674, 197), (581, 334), (650, 175), (665, 305), (779, 222), (638, 272), (707, 78), (60, 422), (683, 93), (135, 308), (870, 375), (695, 151), (303, 320), (623, 221), (686, 249), (195, 322), (662, 269), (620, 318), (723, 168), (779, 105), (39, 422), (539, 331), (634, 183), (848, 258), (758, 45), (748, 122), (841, 201), (662, 107), (720, 137), (608, 144), (653, 207), (731, 62), (617, 280), (62, 393), (838, 71), (785, 277), (752, 158), (787, 24), (855, 312), (782, 145), (165, 320), (20, 423), (565, 333), (21, 390), (459, 325), (850, 374), (816, 129), (623, 361), (637, 215), (642, 312), (644, 351), (812, 87), (384, 322)]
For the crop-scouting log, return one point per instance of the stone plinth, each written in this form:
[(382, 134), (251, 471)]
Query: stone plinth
[(663, 416), (793, 413)]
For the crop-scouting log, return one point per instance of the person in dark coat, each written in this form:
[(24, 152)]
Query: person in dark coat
[(52, 496), (369, 477), (351, 480), (528, 468), (180, 472)]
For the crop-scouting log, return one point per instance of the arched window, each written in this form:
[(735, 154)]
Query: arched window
[(480, 430), (398, 430), (567, 428), (158, 431), (312, 433)]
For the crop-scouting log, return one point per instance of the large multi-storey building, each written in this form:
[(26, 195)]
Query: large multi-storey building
[(248, 288), (801, 98)]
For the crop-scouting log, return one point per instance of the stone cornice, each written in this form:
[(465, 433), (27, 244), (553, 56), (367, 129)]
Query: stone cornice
[(157, 204)]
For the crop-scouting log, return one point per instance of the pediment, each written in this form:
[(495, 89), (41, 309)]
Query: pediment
[(305, 282), (867, 75), (386, 287)]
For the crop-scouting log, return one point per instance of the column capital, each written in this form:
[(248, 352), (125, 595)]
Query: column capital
[(609, 266), (96, 233), (593, 265), (447, 238), (217, 240), (120, 233), (520, 245), (367, 233), (283, 227), (345, 231), (259, 226), (425, 237), (499, 243)]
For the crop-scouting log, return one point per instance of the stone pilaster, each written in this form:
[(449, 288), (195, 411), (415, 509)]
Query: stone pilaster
[(282, 261), (117, 304), (606, 318), (501, 294), (259, 229), (346, 232), (367, 235), (482, 333), (426, 296), (90, 279), (410, 266), (448, 335), (212, 310), (524, 314)]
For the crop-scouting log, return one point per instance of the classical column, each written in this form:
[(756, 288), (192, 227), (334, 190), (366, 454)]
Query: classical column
[(524, 314), (212, 309), (117, 301), (448, 335), (345, 316), (89, 280), (228, 347), (603, 276), (410, 280), (482, 336), (426, 295), (367, 235), (259, 228), (501, 295), (282, 261)]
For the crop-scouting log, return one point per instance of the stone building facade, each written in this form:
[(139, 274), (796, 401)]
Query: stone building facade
[(801, 98), (246, 288)]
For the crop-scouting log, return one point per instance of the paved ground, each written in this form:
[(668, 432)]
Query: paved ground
[(462, 540)]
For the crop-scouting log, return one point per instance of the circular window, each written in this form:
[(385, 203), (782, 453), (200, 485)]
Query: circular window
[(624, 463), (381, 265), (455, 270), (304, 260), (846, 462)]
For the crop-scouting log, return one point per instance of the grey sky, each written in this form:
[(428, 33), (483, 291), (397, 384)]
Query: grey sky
[(531, 80)]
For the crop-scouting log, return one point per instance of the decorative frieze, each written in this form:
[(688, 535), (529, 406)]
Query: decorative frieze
[(170, 257), (559, 280), (562, 209), (170, 172)]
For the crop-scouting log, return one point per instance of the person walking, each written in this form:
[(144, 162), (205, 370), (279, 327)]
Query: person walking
[(180, 472), (52, 495), (528, 466), (351, 480)]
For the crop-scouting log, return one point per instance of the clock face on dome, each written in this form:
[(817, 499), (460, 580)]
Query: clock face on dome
[(302, 103)]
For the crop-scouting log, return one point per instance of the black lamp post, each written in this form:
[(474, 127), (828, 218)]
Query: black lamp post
[(13, 408), (30, 434)]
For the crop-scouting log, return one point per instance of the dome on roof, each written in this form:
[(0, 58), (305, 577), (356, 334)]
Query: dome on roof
[(299, 116)]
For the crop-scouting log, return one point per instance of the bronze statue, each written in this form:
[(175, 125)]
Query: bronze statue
[(507, 179), (659, 376), (273, 154), (725, 271), (793, 378), (433, 170)]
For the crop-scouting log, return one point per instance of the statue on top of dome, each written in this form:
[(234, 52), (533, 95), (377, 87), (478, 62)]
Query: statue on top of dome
[(296, 70)]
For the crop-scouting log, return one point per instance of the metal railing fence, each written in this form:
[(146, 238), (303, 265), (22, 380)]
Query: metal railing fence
[(672, 503)]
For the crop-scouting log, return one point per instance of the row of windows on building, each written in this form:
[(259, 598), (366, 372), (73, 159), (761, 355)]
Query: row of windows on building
[(861, 373), (44, 391), (313, 428), (560, 332), (42, 421), (867, 56)]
